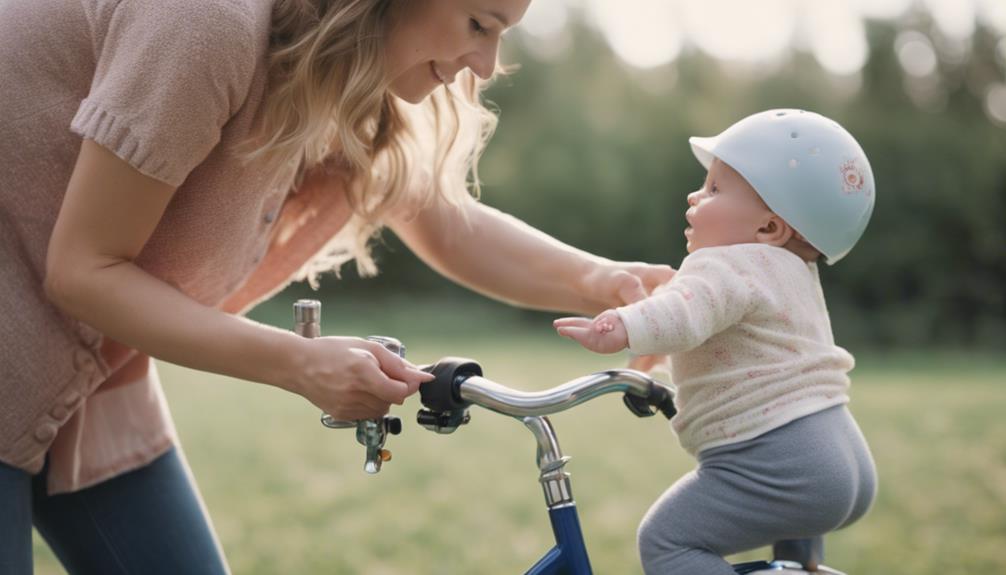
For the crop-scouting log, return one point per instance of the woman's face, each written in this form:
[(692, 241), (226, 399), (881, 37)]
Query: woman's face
[(430, 41), (725, 211)]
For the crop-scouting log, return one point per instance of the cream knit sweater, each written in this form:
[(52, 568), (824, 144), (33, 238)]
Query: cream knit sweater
[(750, 342)]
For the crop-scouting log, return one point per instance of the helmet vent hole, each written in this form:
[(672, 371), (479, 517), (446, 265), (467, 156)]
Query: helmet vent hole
[(815, 151), (794, 135), (780, 113), (793, 163)]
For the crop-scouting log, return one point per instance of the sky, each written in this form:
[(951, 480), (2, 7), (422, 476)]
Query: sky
[(651, 33)]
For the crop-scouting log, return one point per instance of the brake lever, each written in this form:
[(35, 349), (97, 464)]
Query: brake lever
[(660, 398)]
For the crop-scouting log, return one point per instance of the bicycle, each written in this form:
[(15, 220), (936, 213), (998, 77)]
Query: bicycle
[(459, 384)]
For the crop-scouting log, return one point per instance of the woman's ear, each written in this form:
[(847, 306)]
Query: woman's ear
[(774, 232)]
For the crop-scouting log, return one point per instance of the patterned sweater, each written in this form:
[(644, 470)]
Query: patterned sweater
[(750, 342)]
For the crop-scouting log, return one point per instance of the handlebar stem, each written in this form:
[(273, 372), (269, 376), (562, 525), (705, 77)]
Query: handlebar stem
[(551, 462)]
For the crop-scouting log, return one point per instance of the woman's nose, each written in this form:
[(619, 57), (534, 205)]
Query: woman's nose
[(483, 60)]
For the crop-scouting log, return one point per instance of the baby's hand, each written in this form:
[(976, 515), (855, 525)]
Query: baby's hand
[(603, 334)]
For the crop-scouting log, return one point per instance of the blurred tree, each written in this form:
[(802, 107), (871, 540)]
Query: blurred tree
[(596, 154)]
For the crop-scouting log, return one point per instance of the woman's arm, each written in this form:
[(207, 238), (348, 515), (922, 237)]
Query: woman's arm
[(502, 257), (108, 214)]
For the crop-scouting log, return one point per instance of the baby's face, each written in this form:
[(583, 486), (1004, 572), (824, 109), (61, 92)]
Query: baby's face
[(725, 211)]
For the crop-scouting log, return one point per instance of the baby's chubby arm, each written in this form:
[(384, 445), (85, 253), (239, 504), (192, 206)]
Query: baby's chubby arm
[(604, 334), (714, 289)]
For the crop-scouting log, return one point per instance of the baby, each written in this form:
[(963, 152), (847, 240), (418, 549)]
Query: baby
[(761, 386)]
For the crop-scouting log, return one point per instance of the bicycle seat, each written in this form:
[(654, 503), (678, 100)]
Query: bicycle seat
[(796, 556)]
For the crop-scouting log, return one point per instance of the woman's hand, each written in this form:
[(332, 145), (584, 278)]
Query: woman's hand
[(648, 363), (603, 334), (351, 378), (614, 284), (656, 366)]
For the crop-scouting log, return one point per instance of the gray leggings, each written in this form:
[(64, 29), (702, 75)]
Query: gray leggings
[(806, 478)]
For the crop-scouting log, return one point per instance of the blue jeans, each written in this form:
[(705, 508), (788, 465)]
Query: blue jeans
[(145, 521)]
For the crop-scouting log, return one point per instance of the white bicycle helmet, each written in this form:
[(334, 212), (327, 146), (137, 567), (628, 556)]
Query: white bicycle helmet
[(808, 169)]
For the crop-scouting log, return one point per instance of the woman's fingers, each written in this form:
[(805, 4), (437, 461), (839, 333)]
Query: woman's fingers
[(365, 405), (648, 362), (398, 370), (359, 406), (642, 280), (630, 288), (655, 275), (387, 389)]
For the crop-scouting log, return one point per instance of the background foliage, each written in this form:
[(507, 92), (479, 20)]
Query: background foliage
[(596, 154)]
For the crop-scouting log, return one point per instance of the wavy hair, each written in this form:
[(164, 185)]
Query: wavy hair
[(328, 105)]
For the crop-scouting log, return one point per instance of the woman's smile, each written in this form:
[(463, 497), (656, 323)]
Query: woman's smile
[(436, 73)]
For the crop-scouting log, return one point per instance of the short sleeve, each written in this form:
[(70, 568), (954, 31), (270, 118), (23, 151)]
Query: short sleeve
[(169, 75)]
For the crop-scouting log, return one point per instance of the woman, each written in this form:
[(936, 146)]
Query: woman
[(215, 152)]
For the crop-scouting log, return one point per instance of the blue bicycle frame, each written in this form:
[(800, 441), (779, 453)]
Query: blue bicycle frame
[(569, 554)]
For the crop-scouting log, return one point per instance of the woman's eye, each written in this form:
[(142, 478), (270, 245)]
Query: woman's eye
[(476, 27)]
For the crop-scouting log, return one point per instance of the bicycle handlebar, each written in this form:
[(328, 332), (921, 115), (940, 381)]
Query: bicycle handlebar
[(501, 399), (459, 383)]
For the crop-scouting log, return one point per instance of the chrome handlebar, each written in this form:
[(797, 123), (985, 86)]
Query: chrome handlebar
[(501, 399), (459, 383)]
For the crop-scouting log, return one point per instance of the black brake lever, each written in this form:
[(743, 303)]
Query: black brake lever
[(659, 399)]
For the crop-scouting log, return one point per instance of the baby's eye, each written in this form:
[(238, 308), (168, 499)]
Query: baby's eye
[(477, 27), (714, 189)]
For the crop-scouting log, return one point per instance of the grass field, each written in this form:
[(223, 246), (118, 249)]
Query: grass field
[(289, 496)]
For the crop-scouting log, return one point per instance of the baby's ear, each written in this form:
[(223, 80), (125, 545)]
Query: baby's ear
[(774, 231)]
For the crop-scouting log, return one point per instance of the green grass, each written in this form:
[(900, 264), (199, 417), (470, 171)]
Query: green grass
[(289, 496)]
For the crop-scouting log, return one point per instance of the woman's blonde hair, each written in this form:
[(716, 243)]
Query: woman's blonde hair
[(328, 105)]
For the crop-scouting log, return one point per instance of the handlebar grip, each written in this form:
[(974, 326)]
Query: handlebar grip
[(441, 394)]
